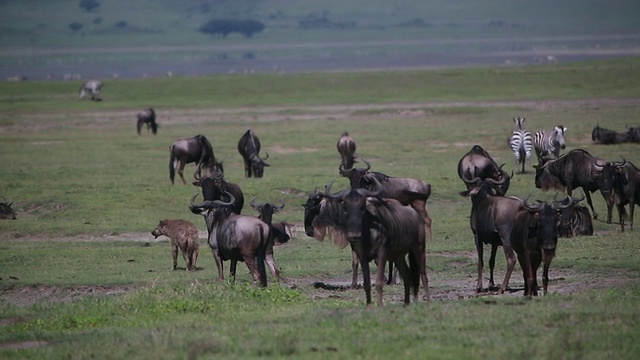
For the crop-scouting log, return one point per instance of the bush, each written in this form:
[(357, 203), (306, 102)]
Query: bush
[(89, 5), (226, 26), (75, 26)]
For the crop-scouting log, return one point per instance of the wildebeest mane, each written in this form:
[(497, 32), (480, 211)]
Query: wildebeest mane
[(327, 222)]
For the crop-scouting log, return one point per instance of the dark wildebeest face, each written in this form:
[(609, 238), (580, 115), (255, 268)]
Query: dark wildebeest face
[(478, 163), (6, 212), (266, 209), (258, 164), (311, 210), (355, 175)]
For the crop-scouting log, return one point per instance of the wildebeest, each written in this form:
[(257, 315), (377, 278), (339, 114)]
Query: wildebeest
[(249, 149), (6, 212), (626, 190), (93, 87), (573, 220), (375, 228), (147, 116), (607, 137), (215, 187), (407, 191), (184, 236), (477, 163), (576, 169), (189, 150), (492, 220), (347, 149), (534, 238), (634, 135), (279, 230), (237, 238)]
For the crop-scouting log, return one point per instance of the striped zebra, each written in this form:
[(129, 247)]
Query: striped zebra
[(521, 143), (93, 87), (548, 143)]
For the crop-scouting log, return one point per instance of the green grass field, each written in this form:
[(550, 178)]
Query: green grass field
[(81, 276)]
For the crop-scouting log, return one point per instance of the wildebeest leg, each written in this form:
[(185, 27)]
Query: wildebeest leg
[(232, 269), (632, 206), (356, 247), (181, 165), (219, 263), (271, 262), (525, 262), (382, 261), (536, 259), (511, 263), (547, 256), (479, 251), (587, 194), (403, 269), (492, 266), (354, 269), (247, 168), (420, 206), (621, 213), (174, 255)]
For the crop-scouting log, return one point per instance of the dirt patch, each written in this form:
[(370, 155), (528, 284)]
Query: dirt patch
[(29, 295)]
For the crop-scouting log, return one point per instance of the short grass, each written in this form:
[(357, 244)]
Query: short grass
[(81, 276)]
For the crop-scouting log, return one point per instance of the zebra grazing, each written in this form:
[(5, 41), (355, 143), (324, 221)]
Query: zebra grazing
[(93, 87), (548, 143), (521, 143)]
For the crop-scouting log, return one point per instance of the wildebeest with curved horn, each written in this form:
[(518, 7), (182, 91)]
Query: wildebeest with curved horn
[(93, 87), (6, 212), (604, 136), (249, 149), (375, 228), (347, 149), (237, 238), (626, 190), (195, 149), (147, 116), (577, 168), (575, 219), (279, 230), (215, 187), (477, 163), (407, 191)]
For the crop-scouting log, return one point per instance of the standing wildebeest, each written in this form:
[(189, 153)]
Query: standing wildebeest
[(215, 187), (237, 238), (573, 220), (188, 150), (184, 236), (6, 212), (607, 137), (549, 143), (575, 169), (477, 163), (249, 149), (407, 191), (279, 230), (492, 220), (147, 116), (534, 238), (626, 190), (375, 228), (93, 87), (521, 143), (347, 149)]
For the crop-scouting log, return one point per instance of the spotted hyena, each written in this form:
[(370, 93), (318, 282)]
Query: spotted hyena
[(183, 235)]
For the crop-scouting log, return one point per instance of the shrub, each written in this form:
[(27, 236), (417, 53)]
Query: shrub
[(226, 26), (89, 5)]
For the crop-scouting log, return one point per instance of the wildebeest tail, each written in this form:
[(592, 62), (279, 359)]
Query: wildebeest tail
[(414, 274), (262, 254), (172, 161)]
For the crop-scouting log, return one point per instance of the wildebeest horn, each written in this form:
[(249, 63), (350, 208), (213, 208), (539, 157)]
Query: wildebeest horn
[(342, 170), (368, 165), (208, 204), (559, 205), (529, 207), (367, 192), (254, 205), (468, 180), (278, 208), (335, 196)]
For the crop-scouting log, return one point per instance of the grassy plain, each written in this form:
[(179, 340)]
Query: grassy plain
[(81, 277)]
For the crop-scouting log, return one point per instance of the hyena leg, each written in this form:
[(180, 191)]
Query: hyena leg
[(174, 255)]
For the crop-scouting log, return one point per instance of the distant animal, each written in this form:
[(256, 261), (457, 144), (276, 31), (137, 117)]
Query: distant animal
[(92, 87), (626, 190), (634, 135), (534, 238), (279, 230), (237, 238), (608, 137), (477, 163), (347, 149), (196, 149), (577, 169), (492, 221), (548, 143), (147, 116), (521, 143), (574, 220), (184, 236), (249, 149), (6, 212)]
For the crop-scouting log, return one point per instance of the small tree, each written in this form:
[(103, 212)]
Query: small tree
[(75, 26), (225, 26), (89, 5)]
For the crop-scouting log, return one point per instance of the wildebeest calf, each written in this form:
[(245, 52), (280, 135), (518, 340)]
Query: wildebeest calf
[(183, 235)]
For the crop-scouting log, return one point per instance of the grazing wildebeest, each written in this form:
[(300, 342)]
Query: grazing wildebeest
[(492, 219), (534, 238), (347, 149), (184, 236), (147, 116), (188, 150), (634, 135), (573, 220), (477, 163), (626, 190), (375, 228), (6, 212), (521, 143), (249, 149), (607, 137), (549, 143), (93, 87), (407, 191), (576, 169), (265, 213), (237, 238)]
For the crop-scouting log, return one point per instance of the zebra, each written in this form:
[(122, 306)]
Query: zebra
[(93, 87), (521, 143), (548, 143)]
